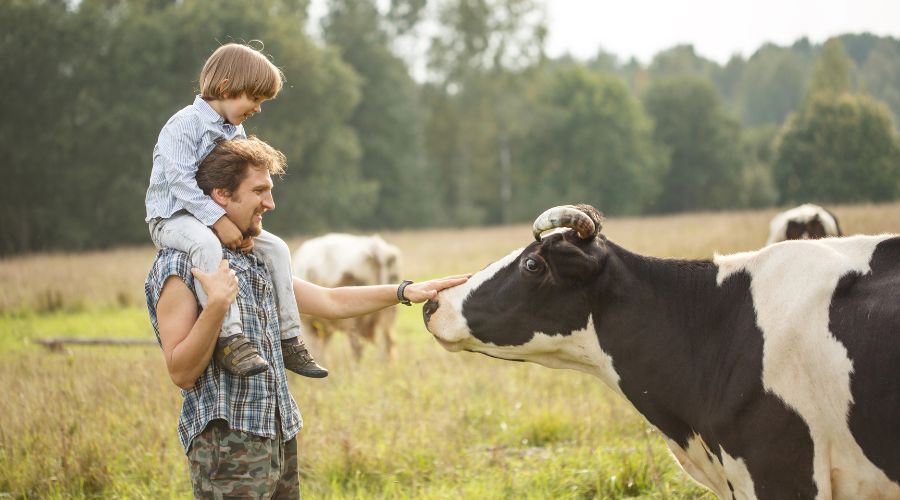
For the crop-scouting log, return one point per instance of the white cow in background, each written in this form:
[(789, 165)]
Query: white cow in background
[(339, 259), (807, 221)]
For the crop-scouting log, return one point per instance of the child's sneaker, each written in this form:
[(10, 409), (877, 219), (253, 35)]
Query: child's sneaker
[(237, 356), (298, 360)]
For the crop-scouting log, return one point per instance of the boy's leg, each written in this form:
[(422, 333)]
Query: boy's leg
[(274, 252), (234, 353)]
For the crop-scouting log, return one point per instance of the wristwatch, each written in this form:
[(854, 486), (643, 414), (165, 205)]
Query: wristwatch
[(400, 296)]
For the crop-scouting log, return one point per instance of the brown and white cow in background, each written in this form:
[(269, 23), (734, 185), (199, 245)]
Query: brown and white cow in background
[(771, 374), (339, 259), (807, 221)]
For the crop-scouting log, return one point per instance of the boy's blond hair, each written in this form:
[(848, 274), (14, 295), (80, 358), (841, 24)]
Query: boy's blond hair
[(235, 69)]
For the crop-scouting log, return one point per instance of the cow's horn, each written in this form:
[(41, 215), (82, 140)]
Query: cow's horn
[(564, 216)]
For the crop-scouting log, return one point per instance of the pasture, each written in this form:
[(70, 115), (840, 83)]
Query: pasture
[(100, 421)]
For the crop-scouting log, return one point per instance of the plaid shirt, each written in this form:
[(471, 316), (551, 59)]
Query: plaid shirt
[(251, 404), (183, 142)]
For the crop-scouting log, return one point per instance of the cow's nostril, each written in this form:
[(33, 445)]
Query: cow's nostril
[(428, 309)]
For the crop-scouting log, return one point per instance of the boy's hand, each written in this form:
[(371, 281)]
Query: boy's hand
[(221, 286), (247, 244), (228, 233)]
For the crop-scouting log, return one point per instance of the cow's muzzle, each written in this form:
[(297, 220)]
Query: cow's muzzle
[(428, 309)]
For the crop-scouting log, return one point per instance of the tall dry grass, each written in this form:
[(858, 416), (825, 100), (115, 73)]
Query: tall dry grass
[(79, 281)]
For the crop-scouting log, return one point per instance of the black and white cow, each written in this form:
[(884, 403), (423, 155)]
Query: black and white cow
[(806, 221), (771, 374)]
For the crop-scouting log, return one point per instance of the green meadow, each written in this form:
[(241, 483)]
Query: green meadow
[(100, 422)]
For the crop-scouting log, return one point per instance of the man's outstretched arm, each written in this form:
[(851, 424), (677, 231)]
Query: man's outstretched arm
[(350, 301), (188, 336)]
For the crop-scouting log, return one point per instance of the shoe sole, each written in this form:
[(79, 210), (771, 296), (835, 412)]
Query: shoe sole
[(249, 373)]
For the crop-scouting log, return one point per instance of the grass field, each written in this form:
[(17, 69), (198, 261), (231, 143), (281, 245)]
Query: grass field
[(99, 422)]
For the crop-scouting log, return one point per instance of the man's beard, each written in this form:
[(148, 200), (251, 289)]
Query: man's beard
[(253, 230)]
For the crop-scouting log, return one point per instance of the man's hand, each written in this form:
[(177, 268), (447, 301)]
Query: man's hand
[(221, 286), (426, 290), (228, 233)]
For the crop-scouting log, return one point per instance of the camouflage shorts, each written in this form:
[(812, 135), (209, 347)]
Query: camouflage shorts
[(228, 463)]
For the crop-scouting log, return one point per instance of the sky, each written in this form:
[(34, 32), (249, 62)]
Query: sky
[(717, 29)]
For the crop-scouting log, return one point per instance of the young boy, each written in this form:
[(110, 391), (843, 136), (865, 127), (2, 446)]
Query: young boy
[(234, 83)]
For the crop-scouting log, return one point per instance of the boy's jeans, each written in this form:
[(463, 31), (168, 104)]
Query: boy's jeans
[(184, 232)]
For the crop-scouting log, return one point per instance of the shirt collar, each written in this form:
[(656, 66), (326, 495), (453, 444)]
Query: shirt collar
[(206, 111), (239, 261)]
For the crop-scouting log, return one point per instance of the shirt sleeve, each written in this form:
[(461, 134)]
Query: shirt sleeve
[(179, 156), (168, 262)]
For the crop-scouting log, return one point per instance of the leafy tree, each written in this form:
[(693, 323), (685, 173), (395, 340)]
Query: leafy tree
[(43, 58), (482, 56), (771, 85), (404, 15), (880, 73), (859, 47), (832, 72), (681, 60), (110, 72), (703, 144), (588, 141), (838, 149), (728, 81), (387, 120), (757, 186)]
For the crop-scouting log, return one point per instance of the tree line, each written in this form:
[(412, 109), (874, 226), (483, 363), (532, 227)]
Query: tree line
[(495, 133)]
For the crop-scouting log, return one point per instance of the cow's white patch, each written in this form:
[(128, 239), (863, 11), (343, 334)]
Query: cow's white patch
[(738, 475), (447, 324), (803, 364), (579, 350)]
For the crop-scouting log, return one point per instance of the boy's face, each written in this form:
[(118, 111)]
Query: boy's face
[(238, 109)]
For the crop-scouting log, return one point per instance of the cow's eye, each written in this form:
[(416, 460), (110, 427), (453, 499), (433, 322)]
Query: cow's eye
[(532, 265)]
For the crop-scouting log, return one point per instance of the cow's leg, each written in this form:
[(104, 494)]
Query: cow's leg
[(355, 344), (314, 335), (388, 338), (385, 331)]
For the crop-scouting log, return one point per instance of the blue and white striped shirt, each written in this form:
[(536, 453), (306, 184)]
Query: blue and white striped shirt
[(252, 404), (183, 142)]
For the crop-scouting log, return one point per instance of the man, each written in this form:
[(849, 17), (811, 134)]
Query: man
[(239, 432)]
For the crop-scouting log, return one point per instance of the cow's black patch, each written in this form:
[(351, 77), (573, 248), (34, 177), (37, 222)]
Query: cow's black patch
[(689, 354), (837, 224), (795, 230), (863, 317), (814, 229)]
